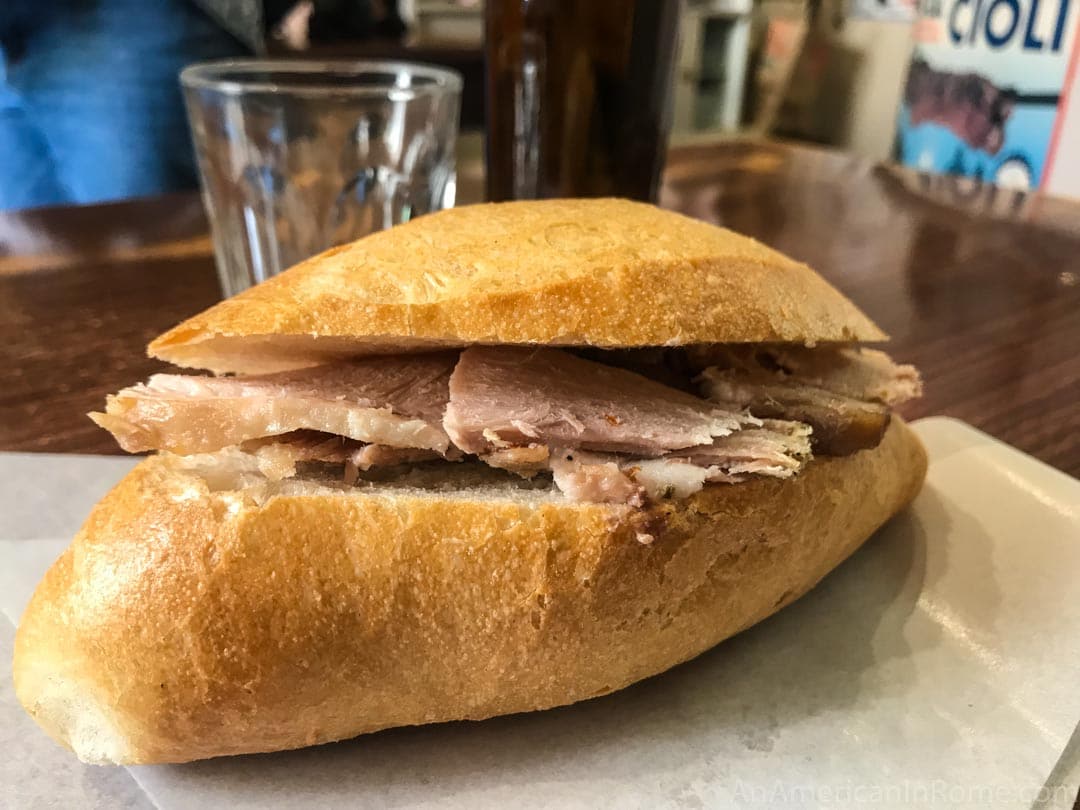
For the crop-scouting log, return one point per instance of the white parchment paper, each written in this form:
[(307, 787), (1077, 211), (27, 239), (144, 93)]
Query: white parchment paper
[(936, 668)]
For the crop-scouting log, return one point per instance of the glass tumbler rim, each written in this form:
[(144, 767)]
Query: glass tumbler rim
[(215, 76)]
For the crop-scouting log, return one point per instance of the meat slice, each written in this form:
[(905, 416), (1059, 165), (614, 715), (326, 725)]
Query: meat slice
[(864, 374), (671, 478), (512, 397), (381, 455), (525, 461), (841, 424), (607, 434), (606, 478), (583, 476), (393, 401), (277, 456), (777, 449)]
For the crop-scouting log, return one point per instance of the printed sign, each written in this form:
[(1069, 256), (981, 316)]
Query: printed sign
[(990, 93)]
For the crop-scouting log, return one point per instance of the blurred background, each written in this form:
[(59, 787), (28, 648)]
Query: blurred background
[(90, 106)]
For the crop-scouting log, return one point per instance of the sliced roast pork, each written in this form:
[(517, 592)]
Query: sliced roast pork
[(393, 401), (603, 432), (845, 394), (584, 476), (606, 433), (864, 374), (842, 425), (278, 456), (777, 449), (504, 397)]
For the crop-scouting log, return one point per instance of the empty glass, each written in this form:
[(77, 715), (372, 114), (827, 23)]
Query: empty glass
[(298, 156)]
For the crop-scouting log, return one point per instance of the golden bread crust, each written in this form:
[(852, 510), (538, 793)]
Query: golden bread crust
[(605, 272), (185, 623)]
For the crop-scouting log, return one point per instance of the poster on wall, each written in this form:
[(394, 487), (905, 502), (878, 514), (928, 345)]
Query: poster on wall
[(991, 93)]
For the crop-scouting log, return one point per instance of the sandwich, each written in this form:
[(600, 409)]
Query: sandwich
[(501, 458)]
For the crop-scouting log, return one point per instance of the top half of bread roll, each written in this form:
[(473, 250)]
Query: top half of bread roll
[(605, 273)]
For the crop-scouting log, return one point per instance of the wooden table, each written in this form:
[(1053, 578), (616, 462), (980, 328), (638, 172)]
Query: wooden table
[(980, 287)]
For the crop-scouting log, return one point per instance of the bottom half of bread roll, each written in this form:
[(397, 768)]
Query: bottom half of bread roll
[(202, 612)]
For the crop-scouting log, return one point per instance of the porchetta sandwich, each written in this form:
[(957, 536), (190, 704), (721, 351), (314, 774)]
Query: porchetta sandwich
[(498, 459)]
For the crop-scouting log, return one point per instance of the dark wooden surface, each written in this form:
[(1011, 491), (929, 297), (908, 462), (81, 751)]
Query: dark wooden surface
[(979, 287)]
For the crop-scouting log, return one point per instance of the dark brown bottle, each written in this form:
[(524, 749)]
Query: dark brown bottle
[(578, 96)]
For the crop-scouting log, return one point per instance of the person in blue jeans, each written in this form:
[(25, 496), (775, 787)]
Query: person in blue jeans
[(90, 103)]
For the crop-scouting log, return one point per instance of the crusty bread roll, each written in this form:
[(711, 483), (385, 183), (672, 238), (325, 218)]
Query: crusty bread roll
[(205, 610), (197, 615), (607, 273)]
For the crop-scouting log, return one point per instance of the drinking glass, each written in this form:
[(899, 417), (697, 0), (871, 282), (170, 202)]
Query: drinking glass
[(298, 156)]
